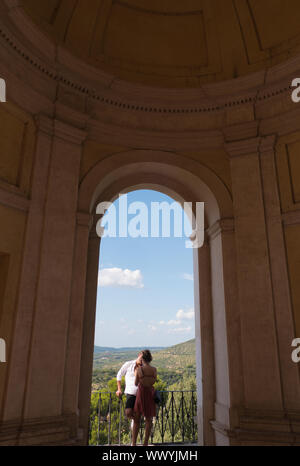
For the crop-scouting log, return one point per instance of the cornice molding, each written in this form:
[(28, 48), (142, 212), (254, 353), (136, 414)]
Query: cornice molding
[(255, 145), (57, 64), (10, 198), (241, 131), (243, 147), (158, 140)]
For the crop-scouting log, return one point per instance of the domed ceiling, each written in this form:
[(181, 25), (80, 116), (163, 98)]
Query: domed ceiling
[(173, 43)]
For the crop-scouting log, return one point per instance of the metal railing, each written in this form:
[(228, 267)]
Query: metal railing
[(175, 420)]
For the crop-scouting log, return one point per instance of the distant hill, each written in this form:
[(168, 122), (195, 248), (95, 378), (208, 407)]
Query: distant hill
[(183, 348), (105, 349), (176, 357), (171, 362)]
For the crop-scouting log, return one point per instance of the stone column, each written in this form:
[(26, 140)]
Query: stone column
[(261, 365), (283, 313), (45, 378), (226, 329), (13, 407), (88, 334), (76, 319), (205, 367)]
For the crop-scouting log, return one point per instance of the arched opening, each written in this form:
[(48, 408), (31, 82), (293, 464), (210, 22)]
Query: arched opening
[(211, 275), (145, 300)]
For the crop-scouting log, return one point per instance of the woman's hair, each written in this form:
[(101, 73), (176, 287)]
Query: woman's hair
[(147, 356)]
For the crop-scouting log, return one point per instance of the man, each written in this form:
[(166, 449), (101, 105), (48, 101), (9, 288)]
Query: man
[(127, 370)]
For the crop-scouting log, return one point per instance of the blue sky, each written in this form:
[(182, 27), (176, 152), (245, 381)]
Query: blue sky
[(145, 291)]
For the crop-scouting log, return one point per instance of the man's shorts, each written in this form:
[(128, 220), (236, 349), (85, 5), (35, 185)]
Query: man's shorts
[(130, 400)]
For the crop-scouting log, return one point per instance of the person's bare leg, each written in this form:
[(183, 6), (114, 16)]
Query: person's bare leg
[(136, 427), (129, 413), (148, 428)]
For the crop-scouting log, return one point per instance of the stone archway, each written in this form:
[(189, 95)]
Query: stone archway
[(183, 181)]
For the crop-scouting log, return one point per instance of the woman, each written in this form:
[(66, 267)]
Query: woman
[(145, 377)]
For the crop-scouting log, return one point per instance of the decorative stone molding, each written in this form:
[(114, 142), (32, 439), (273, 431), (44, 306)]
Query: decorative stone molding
[(267, 143), (60, 430), (291, 218), (158, 140), (249, 146), (9, 197), (84, 220), (44, 124), (57, 64), (241, 131), (263, 427), (93, 231), (69, 133), (60, 129), (224, 225), (244, 147)]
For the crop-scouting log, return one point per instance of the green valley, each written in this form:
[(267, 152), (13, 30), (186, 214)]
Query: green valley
[(174, 364)]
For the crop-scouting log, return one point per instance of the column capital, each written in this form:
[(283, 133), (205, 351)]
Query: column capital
[(84, 219), (243, 147), (94, 230), (223, 225), (241, 131), (267, 143), (256, 145), (44, 124), (60, 129), (69, 133)]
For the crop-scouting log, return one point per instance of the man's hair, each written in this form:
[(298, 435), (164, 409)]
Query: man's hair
[(147, 356)]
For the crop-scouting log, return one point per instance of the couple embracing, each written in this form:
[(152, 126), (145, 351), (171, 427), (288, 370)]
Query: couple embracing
[(140, 377)]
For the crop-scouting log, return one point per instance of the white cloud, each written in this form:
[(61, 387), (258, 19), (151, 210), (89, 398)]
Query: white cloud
[(180, 330), (152, 328), (185, 315), (188, 276), (174, 322), (117, 277)]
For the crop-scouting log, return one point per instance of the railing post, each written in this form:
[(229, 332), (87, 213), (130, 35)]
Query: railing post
[(120, 418), (99, 419), (182, 414), (172, 410), (109, 422), (193, 417), (162, 424)]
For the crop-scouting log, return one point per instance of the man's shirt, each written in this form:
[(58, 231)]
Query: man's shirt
[(128, 370)]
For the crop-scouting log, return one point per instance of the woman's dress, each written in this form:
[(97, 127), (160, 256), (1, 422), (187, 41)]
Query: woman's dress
[(144, 403)]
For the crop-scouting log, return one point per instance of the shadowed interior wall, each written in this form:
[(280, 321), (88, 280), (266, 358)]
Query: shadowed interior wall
[(138, 40), (16, 160)]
